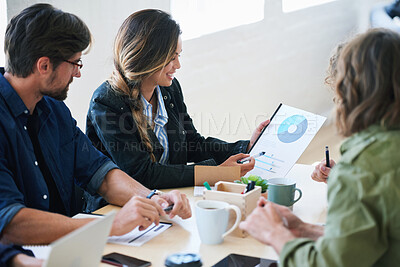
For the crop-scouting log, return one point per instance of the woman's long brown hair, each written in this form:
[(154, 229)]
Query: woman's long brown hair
[(145, 43)]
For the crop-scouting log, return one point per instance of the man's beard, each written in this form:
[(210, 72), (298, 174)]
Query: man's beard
[(60, 95)]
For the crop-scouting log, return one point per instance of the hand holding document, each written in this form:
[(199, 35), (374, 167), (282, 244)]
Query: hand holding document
[(284, 140)]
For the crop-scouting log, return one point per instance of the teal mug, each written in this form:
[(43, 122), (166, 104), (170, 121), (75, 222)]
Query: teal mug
[(281, 191)]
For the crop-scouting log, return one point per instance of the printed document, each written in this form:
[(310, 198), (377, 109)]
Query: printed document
[(135, 237), (284, 140)]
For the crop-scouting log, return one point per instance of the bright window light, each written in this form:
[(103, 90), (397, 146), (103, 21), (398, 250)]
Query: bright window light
[(201, 17), (294, 5), (3, 25)]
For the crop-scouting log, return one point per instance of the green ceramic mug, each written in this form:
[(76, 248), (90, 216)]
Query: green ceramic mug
[(281, 191)]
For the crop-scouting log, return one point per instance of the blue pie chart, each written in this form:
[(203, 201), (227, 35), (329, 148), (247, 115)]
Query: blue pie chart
[(292, 129)]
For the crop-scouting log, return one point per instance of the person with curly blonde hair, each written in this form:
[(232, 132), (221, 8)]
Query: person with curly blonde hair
[(363, 220)]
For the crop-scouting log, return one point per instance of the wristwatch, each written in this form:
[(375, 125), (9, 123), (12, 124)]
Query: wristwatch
[(154, 192)]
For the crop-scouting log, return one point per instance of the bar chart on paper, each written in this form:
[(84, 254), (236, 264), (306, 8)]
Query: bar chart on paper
[(284, 140), (269, 163)]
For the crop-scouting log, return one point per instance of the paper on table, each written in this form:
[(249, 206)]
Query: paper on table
[(40, 252), (137, 238), (198, 190)]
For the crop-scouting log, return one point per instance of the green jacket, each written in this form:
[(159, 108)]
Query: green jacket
[(363, 221)]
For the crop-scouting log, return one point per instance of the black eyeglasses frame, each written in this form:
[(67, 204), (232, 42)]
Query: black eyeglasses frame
[(78, 64)]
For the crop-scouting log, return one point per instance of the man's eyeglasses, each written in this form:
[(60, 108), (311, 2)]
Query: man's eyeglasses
[(79, 63)]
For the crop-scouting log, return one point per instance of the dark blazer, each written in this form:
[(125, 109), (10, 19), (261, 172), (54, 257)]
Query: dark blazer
[(111, 128)]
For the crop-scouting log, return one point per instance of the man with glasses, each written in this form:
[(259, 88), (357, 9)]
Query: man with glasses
[(78, 64), (42, 151)]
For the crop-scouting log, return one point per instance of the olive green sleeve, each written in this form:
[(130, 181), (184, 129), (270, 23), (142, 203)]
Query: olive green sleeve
[(354, 234)]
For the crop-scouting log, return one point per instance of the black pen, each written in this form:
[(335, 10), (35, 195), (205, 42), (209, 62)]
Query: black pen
[(169, 208), (327, 157), (251, 185)]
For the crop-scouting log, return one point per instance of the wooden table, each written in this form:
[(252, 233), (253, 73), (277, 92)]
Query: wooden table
[(183, 236)]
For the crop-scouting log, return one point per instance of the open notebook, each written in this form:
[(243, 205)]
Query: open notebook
[(80, 248)]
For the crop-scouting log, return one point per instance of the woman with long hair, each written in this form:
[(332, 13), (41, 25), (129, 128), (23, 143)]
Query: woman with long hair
[(138, 117), (363, 220)]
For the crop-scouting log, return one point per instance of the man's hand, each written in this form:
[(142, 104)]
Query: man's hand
[(138, 211), (180, 202), (22, 260), (321, 172), (244, 168)]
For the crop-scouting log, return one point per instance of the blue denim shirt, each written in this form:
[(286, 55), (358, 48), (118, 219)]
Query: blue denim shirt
[(69, 154), (7, 252)]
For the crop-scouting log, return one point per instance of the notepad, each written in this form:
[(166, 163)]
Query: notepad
[(135, 237), (83, 246)]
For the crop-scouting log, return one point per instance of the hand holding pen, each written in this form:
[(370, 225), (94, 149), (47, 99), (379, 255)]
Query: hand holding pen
[(322, 170), (233, 161), (327, 163)]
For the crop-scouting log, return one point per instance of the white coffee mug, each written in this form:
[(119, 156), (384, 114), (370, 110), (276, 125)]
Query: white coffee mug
[(212, 220)]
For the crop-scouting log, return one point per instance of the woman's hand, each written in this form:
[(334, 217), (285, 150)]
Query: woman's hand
[(291, 221), (321, 172), (266, 224), (257, 133), (297, 227), (244, 168)]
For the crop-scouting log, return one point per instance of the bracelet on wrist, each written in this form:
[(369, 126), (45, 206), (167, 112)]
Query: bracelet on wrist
[(154, 192)]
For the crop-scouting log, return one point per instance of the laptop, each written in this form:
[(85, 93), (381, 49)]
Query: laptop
[(82, 247)]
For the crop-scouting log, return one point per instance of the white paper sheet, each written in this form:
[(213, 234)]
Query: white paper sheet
[(40, 252), (284, 140), (198, 190), (137, 238)]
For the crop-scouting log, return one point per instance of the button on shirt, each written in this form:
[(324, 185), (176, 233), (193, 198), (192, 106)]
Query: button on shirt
[(33, 129), (69, 155), (161, 119)]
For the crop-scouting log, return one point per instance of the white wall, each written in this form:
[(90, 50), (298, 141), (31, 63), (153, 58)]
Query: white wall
[(235, 78)]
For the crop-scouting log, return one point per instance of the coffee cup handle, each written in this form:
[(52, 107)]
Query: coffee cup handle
[(238, 219), (300, 194)]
